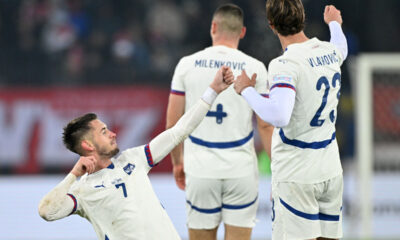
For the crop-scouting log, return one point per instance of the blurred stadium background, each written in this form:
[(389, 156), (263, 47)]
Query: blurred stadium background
[(62, 58)]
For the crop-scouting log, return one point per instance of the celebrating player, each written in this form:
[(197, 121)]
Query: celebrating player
[(115, 194), (307, 183), (219, 173)]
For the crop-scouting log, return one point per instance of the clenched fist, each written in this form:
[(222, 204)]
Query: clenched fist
[(223, 79), (332, 14), (84, 165)]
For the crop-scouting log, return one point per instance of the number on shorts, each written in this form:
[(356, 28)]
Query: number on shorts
[(273, 210)]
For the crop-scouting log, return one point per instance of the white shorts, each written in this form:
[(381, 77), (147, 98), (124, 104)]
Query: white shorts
[(307, 211), (232, 201)]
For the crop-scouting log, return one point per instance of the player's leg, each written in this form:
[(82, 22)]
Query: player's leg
[(239, 206), (203, 208), (295, 211), (200, 234), (237, 233), (330, 205)]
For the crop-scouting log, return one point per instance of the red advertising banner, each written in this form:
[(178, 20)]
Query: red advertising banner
[(31, 122)]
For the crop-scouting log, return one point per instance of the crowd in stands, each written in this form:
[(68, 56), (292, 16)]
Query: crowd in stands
[(87, 42), (83, 42)]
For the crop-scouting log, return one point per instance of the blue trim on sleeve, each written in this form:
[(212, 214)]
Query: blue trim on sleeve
[(232, 144), (301, 144), (148, 155), (317, 216), (266, 95), (75, 203), (176, 92), (284, 85)]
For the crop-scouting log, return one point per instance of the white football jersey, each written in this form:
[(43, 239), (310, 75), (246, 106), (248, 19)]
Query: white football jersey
[(120, 202), (306, 150), (222, 145)]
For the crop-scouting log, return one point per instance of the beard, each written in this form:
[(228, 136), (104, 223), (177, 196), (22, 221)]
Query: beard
[(108, 154), (112, 153)]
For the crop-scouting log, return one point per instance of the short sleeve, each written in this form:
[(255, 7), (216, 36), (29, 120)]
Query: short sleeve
[(261, 81), (140, 157), (282, 73), (177, 84)]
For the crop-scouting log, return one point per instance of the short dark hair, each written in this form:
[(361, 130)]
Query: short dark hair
[(286, 16), (76, 130), (231, 17)]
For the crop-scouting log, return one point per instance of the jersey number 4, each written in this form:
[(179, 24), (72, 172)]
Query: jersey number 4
[(122, 185), (316, 121)]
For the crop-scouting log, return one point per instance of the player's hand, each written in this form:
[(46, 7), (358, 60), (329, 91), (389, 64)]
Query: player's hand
[(179, 175), (223, 79), (84, 165), (243, 81), (332, 14)]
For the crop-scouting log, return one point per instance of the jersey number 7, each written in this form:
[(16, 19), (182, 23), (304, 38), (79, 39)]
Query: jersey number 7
[(123, 188)]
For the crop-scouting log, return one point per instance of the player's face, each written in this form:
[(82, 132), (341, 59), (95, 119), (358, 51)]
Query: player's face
[(104, 140)]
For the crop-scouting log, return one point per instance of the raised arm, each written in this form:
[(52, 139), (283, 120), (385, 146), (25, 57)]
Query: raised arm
[(275, 110), (58, 203), (333, 18), (161, 145)]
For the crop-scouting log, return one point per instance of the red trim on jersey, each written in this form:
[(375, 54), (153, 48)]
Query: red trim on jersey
[(266, 95), (148, 155), (75, 203), (285, 85), (176, 92)]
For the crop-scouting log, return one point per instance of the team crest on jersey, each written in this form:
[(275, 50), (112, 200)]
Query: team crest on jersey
[(129, 168)]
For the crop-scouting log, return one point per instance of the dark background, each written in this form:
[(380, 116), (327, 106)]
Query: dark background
[(82, 43)]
